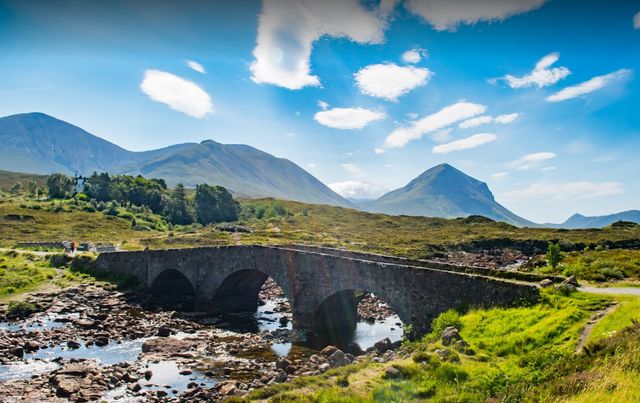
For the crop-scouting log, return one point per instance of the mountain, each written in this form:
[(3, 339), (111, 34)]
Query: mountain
[(444, 191), (244, 169), (578, 221), (39, 143)]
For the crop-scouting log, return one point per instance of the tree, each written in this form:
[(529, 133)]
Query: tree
[(32, 188), (178, 210), (553, 255), (215, 204), (59, 185), (16, 189)]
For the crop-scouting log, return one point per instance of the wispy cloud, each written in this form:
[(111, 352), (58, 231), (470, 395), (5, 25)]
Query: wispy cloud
[(379, 150), (563, 191), (447, 14), (348, 118), (358, 190), (542, 75), (465, 144), (432, 123), (176, 92), (499, 175), (475, 122), (507, 118), (354, 170), (636, 21), (196, 66), (288, 29), (589, 86), (390, 81), (485, 119), (547, 169), (530, 160)]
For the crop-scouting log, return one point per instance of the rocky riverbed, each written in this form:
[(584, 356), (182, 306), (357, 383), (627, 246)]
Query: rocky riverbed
[(88, 343)]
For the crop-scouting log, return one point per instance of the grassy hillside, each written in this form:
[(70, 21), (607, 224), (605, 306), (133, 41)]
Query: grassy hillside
[(8, 179), (278, 222)]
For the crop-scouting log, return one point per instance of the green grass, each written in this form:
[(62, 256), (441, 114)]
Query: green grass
[(604, 265), (626, 313), (23, 272), (519, 354)]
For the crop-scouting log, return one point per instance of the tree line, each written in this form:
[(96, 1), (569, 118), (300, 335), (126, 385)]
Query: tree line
[(209, 204)]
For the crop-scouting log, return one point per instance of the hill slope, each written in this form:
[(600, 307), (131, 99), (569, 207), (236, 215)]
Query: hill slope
[(578, 221), (444, 191), (38, 143)]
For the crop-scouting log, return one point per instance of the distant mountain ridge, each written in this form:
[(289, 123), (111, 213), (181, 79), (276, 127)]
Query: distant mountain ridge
[(444, 191), (39, 143), (578, 221)]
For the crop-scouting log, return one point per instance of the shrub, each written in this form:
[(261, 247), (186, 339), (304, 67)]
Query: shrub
[(553, 255), (20, 309)]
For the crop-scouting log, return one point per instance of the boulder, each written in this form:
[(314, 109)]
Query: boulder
[(73, 344), (546, 283), (382, 346), (327, 351), (449, 335), (337, 359), (280, 377)]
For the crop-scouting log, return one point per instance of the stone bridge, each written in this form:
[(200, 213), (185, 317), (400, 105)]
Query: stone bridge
[(321, 284)]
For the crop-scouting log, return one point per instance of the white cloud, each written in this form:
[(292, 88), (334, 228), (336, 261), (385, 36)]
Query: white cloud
[(347, 118), (311, 165), (432, 123), (288, 29), (636, 21), (527, 161), (323, 105), (195, 66), (541, 76), (464, 144), (546, 169), (354, 170), (291, 135), (358, 190), (448, 14), (379, 150), (507, 118), (474, 122), (412, 115), (414, 56), (589, 86), (483, 120), (499, 175), (562, 191), (390, 81), (179, 94)]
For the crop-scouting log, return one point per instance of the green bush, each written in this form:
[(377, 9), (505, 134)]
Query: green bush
[(446, 319), (20, 309)]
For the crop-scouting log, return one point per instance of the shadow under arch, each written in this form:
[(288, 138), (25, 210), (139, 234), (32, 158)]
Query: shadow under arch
[(239, 291), (173, 289), (336, 319)]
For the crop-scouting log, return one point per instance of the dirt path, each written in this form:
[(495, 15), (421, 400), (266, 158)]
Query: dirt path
[(612, 290), (595, 318)]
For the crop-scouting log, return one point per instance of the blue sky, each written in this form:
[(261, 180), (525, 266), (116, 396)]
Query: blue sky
[(540, 99)]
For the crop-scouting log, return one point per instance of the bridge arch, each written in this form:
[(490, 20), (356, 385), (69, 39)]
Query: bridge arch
[(172, 288), (239, 290), (336, 318)]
